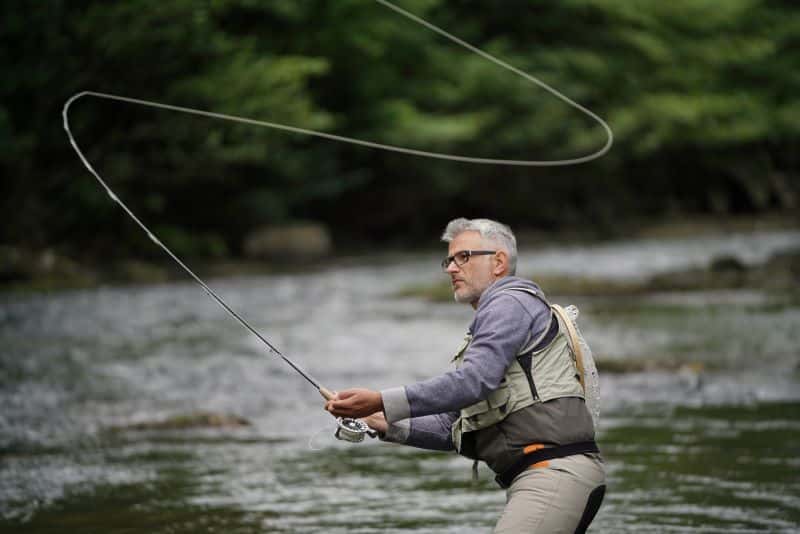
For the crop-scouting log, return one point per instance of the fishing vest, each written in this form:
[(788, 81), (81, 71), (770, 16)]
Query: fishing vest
[(536, 375)]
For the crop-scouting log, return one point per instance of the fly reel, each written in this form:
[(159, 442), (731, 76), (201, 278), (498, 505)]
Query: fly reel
[(352, 430)]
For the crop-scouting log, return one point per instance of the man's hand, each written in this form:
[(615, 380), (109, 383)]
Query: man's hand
[(377, 422), (356, 402)]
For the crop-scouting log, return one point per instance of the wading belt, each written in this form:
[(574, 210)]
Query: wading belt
[(541, 454)]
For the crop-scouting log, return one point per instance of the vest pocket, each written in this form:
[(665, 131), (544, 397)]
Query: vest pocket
[(475, 409), (499, 397), (486, 412)]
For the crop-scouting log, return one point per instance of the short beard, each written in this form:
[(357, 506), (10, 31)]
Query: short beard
[(467, 298)]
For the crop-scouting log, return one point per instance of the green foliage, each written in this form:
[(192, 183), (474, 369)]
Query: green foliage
[(186, 243), (701, 96)]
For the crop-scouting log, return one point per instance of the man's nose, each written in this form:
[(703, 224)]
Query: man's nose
[(452, 267)]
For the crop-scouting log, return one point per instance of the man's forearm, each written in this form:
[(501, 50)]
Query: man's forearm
[(430, 432)]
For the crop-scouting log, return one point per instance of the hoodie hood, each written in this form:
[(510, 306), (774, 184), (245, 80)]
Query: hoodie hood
[(507, 282)]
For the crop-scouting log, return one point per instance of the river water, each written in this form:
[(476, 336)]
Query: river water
[(706, 443)]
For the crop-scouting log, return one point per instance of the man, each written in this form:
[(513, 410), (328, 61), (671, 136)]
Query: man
[(514, 400)]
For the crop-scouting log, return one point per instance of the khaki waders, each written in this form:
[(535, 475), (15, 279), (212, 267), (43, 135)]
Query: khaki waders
[(557, 496)]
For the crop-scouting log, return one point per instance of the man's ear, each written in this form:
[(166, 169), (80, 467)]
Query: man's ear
[(500, 263)]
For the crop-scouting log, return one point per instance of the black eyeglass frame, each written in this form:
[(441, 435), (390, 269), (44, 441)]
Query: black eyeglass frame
[(468, 253)]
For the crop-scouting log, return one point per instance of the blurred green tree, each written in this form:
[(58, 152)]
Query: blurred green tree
[(701, 96)]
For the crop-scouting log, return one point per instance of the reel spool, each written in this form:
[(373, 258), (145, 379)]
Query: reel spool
[(352, 430)]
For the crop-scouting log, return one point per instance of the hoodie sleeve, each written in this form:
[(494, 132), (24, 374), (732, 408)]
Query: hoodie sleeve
[(431, 432), (501, 326)]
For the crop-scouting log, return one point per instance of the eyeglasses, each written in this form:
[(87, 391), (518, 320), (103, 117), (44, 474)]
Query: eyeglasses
[(461, 257)]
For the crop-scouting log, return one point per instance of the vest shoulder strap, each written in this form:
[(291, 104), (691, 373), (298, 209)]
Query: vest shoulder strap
[(533, 343), (574, 342)]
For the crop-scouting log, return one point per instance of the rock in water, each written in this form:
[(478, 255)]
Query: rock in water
[(192, 420), (291, 242)]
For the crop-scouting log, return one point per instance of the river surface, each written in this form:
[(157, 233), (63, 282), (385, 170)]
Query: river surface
[(708, 443)]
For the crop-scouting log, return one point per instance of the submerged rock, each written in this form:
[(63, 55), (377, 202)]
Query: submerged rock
[(192, 420), (782, 270), (727, 264)]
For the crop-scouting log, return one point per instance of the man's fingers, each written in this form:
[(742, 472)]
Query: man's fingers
[(354, 402), (339, 408)]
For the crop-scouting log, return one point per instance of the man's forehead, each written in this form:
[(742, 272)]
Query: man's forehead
[(466, 239)]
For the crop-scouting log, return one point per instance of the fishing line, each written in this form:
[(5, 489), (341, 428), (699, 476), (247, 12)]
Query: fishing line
[(346, 427), (393, 148), (314, 436), (325, 393), (525, 75)]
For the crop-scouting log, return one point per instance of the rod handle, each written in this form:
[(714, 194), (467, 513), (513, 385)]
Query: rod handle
[(325, 392)]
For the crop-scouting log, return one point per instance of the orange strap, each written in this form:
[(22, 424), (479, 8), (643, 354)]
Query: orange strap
[(532, 448), (535, 447)]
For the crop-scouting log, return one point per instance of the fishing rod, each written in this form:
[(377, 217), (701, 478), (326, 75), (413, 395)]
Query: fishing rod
[(348, 429)]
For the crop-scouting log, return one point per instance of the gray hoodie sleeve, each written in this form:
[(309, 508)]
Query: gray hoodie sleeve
[(428, 432), (501, 326)]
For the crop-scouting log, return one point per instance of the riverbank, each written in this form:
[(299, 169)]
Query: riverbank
[(781, 272), (46, 270)]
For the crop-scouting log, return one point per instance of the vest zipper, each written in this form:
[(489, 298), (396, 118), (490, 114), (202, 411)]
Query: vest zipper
[(526, 361)]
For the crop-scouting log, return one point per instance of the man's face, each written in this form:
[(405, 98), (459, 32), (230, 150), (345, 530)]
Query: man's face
[(471, 279)]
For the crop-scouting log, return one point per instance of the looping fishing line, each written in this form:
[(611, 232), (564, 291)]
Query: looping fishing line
[(370, 144), (316, 434), (381, 146)]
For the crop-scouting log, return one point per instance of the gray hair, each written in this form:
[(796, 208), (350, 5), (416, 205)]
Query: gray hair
[(492, 231)]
